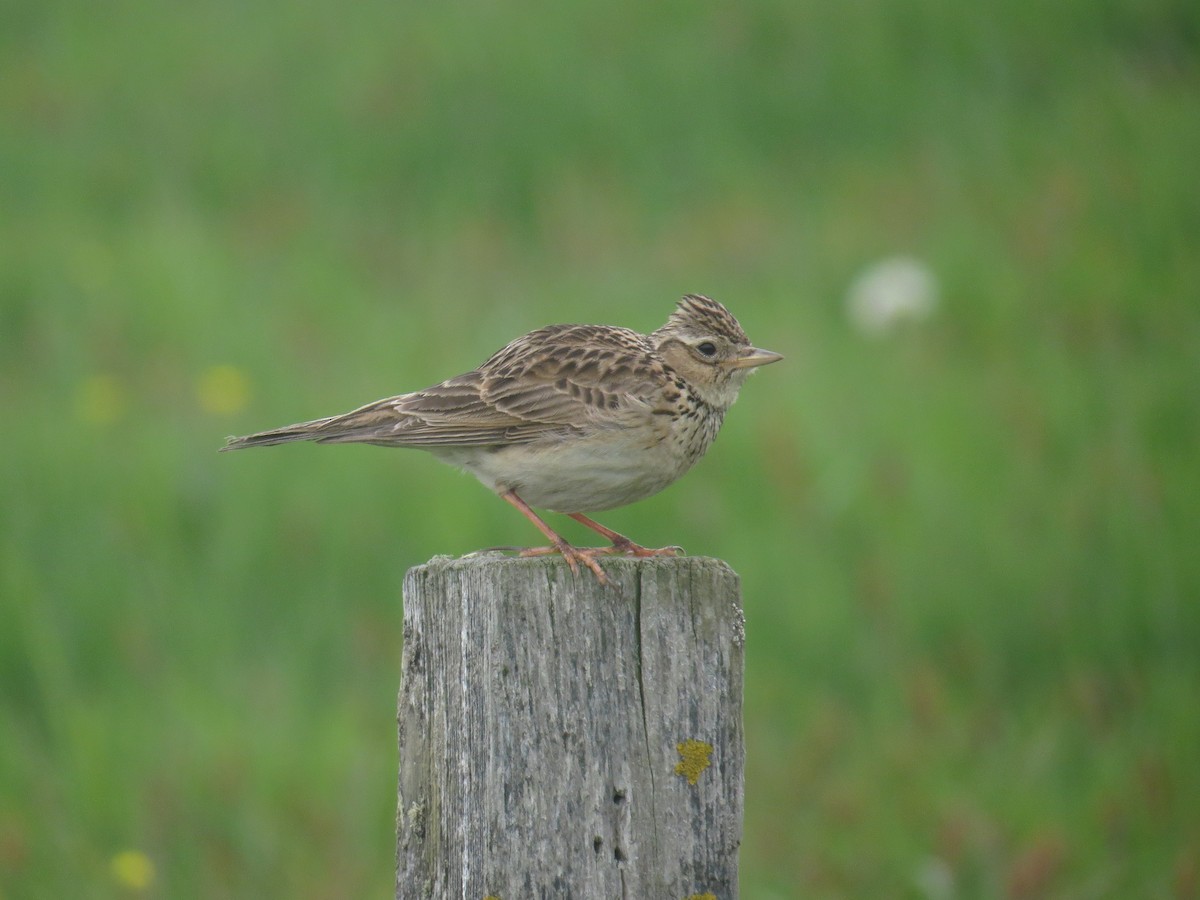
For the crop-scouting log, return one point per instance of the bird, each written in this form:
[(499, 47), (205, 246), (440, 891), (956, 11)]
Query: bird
[(573, 419)]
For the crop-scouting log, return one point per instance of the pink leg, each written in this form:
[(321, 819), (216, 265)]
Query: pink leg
[(573, 555), (621, 544)]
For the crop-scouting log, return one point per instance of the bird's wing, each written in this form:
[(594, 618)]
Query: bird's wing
[(574, 375), (553, 381)]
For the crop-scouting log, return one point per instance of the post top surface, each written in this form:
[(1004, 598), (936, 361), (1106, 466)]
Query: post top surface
[(486, 559)]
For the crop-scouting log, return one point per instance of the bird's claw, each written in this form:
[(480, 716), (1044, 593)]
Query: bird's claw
[(629, 548), (587, 555), (574, 556)]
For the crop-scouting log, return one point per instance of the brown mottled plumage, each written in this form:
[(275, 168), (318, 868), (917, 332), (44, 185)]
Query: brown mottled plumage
[(572, 418)]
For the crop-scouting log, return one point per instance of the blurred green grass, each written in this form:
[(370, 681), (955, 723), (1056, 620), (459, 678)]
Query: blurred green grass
[(967, 548)]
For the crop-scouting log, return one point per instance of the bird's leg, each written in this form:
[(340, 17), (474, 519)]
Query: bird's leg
[(620, 543), (573, 555)]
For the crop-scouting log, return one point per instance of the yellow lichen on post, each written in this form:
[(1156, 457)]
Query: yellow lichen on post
[(694, 759), (701, 897)]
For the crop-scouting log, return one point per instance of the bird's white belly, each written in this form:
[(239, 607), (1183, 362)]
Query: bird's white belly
[(575, 475)]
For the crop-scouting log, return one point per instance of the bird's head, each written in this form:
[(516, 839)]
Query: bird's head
[(704, 343)]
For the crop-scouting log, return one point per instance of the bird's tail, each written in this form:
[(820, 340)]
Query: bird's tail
[(301, 431)]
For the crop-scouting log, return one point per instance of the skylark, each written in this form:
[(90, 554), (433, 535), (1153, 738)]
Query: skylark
[(570, 418)]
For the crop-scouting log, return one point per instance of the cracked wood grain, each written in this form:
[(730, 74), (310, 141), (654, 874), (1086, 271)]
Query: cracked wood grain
[(541, 717)]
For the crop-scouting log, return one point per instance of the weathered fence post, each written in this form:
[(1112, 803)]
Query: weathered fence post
[(562, 739)]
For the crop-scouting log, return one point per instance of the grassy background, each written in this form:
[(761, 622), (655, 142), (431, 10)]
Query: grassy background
[(968, 548)]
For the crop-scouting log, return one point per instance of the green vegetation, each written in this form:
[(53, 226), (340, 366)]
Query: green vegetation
[(968, 546)]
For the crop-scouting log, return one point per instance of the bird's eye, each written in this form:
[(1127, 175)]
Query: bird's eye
[(708, 348)]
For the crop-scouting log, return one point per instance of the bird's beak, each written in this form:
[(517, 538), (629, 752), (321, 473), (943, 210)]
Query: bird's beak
[(749, 359)]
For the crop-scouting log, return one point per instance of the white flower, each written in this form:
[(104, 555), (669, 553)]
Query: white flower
[(890, 292)]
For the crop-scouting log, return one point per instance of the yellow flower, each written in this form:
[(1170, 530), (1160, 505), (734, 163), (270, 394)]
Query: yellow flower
[(132, 869), (222, 390), (100, 400)]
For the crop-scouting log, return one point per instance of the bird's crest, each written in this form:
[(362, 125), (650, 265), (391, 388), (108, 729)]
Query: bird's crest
[(697, 315)]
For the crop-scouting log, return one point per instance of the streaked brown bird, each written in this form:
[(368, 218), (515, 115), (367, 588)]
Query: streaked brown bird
[(570, 418)]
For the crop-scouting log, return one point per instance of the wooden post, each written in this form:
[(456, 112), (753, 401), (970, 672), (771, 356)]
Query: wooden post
[(563, 739)]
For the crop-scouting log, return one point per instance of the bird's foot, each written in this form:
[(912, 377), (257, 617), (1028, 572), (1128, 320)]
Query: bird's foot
[(575, 556), (626, 547), (622, 544)]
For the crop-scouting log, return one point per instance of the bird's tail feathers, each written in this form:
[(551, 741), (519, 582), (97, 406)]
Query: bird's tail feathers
[(301, 431)]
